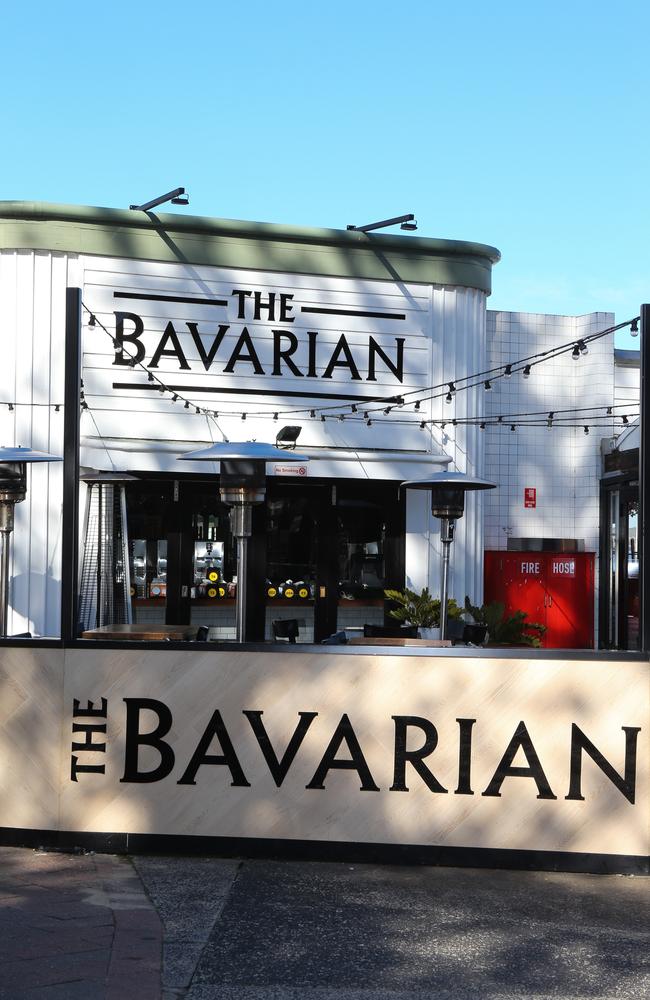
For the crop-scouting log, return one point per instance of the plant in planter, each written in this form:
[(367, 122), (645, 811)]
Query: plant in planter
[(421, 609), (502, 630)]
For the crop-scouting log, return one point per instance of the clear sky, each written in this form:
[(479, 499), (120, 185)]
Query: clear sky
[(522, 125)]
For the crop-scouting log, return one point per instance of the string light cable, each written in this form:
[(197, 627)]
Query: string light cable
[(375, 406)]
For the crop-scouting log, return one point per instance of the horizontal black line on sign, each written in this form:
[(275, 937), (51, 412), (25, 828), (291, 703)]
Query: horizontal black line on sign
[(352, 312), (184, 389), (169, 298)]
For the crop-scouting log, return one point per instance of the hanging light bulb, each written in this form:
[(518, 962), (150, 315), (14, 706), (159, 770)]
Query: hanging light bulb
[(243, 416), (92, 321), (312, 413), (526, 372), (417, 405), (341, 418), (634, 328), (507, 371), (582, 347), (575, 353), (275, 416), (174, 398), (353, 408), (512, 427), (387, 410), (625, 420), (609, 411), (368, 422), (187, 405), (482, 425), (487, 385), (452, 388), (448, 398), (549, 419), (585, 429), (423, 424)]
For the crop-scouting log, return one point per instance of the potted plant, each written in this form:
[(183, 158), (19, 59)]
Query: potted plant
[(421, 610), (502, 629)]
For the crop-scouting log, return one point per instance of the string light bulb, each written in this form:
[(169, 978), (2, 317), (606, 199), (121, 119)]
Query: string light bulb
[(634, 328), (507, 371), (526, 372), (585, 429), (582, 347), (575, 353), (487, 385), (448, 398)]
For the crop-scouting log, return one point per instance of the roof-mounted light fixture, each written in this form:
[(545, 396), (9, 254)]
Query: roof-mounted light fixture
[(405, 222), (177, 197)]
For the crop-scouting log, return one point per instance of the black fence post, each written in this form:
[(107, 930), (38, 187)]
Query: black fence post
[(70, 518), (644, 483)]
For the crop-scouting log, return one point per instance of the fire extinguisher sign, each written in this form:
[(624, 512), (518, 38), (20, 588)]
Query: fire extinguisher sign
[(530, 496)]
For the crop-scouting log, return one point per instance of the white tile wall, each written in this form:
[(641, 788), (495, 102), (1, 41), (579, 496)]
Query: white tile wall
[(562, 464)]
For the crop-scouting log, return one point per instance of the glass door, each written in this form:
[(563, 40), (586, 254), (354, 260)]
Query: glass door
[(620, 597)]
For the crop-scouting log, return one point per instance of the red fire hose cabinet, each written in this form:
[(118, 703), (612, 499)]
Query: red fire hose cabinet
[(555, 589)]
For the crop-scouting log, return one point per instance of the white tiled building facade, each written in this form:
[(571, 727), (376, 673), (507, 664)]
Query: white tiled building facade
[(563, 465)]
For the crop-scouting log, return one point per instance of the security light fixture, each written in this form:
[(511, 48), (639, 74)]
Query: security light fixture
[(287, 436), (242, 485), (13, 490), (448, 491), (177, 197), (406, 222)]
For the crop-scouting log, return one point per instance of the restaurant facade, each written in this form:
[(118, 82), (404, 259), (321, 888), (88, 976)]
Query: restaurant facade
[(368, 354), (131, 339)]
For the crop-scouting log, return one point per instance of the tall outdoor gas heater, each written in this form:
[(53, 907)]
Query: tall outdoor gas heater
[(448, 491), (13, 490), (242, 485)]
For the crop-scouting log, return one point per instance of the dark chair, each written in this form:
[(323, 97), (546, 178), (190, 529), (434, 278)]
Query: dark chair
[(461, 631), (202, 633), (285, 629), (390, 631)]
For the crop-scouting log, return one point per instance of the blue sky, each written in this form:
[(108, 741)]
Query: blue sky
[(520, 125)]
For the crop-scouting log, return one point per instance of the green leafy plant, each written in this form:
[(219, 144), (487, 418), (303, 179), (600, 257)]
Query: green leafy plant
[(505, 630), (421, 609)]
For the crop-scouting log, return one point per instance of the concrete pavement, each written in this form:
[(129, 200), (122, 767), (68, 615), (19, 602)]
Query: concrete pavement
[(93, 927)]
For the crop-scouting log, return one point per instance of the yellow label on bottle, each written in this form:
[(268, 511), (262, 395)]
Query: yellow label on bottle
[(303, 592), (289, 592), (272, 592), (213, 575), (212, 591)]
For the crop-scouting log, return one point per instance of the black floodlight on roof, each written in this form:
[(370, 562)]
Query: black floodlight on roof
[(177, 197), (406, 222)]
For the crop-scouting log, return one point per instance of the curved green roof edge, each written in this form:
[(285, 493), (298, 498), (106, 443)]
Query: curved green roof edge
[(232, 243)]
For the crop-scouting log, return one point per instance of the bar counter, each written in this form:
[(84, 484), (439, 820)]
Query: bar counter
[(454, 755)]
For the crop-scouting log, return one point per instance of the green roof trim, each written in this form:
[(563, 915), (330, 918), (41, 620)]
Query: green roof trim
[(188, 239)]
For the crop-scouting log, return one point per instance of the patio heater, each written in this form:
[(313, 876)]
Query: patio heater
[(13, 490), (242, 486), (448, 491)]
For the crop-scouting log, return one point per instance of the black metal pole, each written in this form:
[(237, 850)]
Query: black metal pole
[(644, 483), (70, 519)]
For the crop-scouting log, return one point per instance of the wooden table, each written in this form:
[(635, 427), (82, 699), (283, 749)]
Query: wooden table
[(377, 641), (144, 632)]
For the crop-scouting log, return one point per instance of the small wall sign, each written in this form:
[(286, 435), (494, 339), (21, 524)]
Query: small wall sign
[(530, 496)]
